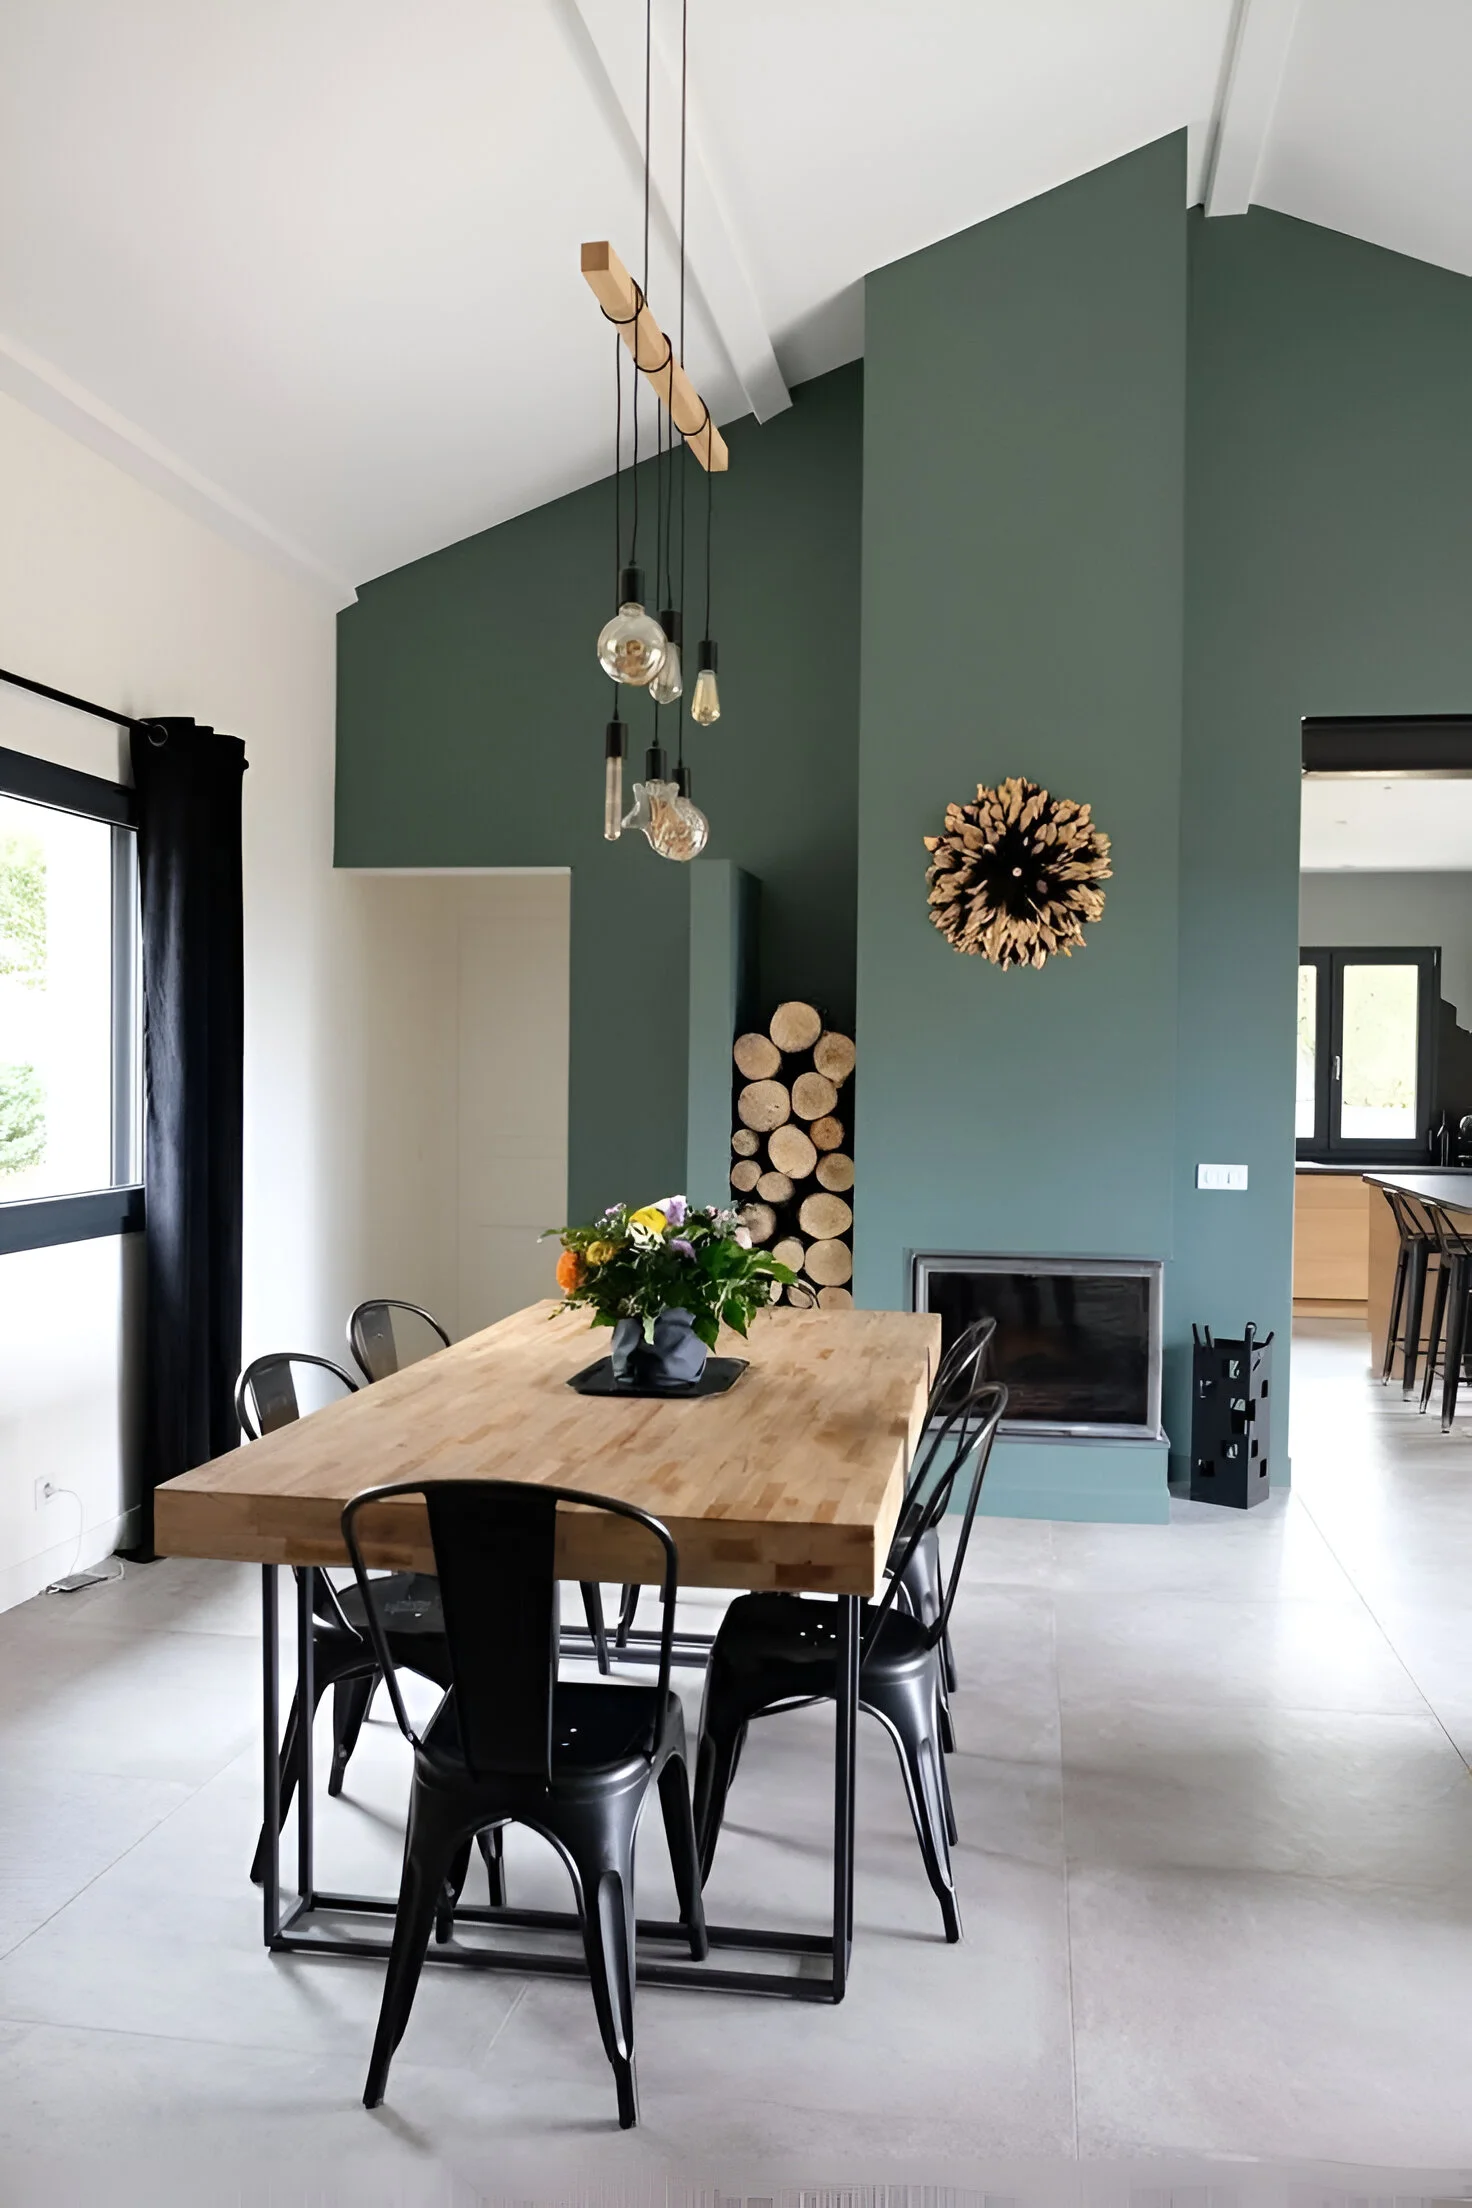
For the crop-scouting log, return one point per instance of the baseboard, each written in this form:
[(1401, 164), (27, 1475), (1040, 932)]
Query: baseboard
[(1089, 1482)]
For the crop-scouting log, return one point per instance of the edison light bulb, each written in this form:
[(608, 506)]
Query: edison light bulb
[(613, 781), (673, 826), (666, 685), (631, 647), (705, 706)]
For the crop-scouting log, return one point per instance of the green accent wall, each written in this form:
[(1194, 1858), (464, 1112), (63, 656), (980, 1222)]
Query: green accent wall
[(1024, 500), (1329, 533), (470, 733)]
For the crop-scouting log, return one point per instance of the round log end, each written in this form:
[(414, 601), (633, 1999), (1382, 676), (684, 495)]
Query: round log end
[(757, 1057), (827, 1133), (813, 1096), (795, 1026), (836, 1171), (763, 1105), (834, 1055), (745, 1143)]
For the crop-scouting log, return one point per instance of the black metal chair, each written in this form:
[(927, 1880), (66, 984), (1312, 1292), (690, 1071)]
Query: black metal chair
[(343, 1658), (961, 1371), (1447, 1343), (378, 1352), (511, 1743), (1418, 1245), (776, 1652)]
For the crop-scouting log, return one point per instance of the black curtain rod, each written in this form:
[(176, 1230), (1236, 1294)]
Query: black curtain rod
[(79, 705)]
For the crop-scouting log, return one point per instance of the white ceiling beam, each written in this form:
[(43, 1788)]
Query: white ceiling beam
[(1252, 75), (48, 391), (608, 38)]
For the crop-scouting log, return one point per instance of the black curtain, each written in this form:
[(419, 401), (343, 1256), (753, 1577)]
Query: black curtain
[(189, 786)]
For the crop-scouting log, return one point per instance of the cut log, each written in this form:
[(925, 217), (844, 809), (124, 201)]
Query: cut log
[(823, 1217), (813, 1096), (774, 1188), (763, 1105), (827, 1134), (791, 1152), (835, 1299), (790, 1252), (834, 1055), (830, 1264), (836, 1170), (760, 1222), (795, 1026), (801, 1294), (745, 1174), (756, 1057), (745, 1143)]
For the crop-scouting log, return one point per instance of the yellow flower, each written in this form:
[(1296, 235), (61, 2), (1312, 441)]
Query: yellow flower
[(598, 1253), (651, 1218)]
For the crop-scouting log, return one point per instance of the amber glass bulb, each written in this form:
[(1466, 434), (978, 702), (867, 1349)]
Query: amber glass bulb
[(631, 647), (613, 781), (705, 705), (666, 685)]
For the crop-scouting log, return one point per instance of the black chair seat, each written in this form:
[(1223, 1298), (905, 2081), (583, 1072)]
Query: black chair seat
[(768, 1636), (600, 1730), (408, 1603)]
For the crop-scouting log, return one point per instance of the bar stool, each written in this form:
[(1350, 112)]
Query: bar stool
[(1418, 1244), (1447, 1342)]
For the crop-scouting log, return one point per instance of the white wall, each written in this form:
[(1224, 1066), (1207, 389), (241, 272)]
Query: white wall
[(462, 1038), (1407, 911), (108, 591)]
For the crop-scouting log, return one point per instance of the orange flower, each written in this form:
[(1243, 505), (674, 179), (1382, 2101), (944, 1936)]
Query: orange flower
[(571, 1272)]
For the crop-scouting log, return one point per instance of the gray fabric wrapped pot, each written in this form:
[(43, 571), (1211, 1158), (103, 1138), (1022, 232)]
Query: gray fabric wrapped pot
[(675, 1359)]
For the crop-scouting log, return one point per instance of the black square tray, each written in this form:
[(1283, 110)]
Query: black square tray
[(720, 1374)]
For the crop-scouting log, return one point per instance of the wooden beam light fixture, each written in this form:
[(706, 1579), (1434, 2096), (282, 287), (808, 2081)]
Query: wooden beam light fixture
[(653, 355)]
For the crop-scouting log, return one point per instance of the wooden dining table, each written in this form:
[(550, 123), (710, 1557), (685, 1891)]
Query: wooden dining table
[(792, 1481)]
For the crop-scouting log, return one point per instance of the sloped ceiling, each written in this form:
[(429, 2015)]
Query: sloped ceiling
[(312, 265)]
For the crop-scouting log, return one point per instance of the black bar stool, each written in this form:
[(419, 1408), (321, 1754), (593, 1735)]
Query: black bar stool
[(1447, 1342), (1418, 1244)]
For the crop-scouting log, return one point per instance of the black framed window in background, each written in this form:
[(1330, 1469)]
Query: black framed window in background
[(1366, 1053), (71, 1060)]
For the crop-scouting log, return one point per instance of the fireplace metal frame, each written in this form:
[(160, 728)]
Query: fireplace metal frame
[(924, 1263)]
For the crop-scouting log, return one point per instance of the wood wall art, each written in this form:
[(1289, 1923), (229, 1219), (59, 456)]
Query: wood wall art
[(792, 1167), (1012, 875)]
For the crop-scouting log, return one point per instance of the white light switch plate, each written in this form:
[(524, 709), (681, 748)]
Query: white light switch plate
[(1221, 1176)]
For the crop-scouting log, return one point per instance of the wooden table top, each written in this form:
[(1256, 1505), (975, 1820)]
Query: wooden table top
[(791, 1480)]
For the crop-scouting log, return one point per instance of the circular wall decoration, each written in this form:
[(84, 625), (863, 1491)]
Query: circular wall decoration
[(1012, 874)]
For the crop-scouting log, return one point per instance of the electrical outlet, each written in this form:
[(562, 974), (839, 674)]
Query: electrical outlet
[(45, 1489), (1221, 1176)]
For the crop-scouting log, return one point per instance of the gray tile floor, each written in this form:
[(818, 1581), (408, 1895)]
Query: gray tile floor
[(1216, 1869)]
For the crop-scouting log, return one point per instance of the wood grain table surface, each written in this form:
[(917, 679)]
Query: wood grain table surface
[(791, 1480)]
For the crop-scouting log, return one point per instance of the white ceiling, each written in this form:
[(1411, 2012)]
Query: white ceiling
[(1359, 825), (312, 264)]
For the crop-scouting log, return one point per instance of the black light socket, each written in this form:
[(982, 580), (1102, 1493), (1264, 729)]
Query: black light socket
[(631, 586), (613, 739), (673, 624), (707, 657), (682, 779), (656, 766)]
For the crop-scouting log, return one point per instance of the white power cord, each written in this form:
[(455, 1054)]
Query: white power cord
[(72, 1582)]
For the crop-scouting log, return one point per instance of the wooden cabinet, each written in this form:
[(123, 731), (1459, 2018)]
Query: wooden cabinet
[(1331, 1237)]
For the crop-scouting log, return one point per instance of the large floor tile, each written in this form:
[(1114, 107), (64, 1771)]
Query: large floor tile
[(1270, 2017), (59, 1829)]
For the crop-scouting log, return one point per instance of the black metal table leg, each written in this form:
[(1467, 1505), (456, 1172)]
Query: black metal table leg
[(1415, 1303), (306, 1702), (845, 1733), (271, 1767)]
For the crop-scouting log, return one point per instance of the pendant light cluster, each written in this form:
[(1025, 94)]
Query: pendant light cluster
[(634, 649)]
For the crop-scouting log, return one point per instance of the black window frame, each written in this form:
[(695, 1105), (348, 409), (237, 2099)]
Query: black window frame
[(1326, 1146), (45, 1222)]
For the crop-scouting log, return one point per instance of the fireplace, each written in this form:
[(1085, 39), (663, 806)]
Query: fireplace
[(1077, 1340)]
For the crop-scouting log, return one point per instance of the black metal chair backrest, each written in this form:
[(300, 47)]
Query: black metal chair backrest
[(963, 1365), (1452, 1241), (265, 1393), (1412, 1222), (371, 1335), (494, 1544), (962, 1448)]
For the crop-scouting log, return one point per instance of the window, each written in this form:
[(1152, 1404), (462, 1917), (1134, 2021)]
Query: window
[(70, 1007), (1366, 1052)]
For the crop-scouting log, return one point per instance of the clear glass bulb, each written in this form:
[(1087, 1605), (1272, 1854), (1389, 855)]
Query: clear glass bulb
[(705, 706), (613, 797), (631, 647), (666, 685), (675, 826)]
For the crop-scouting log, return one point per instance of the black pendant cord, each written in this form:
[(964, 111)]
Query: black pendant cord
[(685, 457), (618, 452)]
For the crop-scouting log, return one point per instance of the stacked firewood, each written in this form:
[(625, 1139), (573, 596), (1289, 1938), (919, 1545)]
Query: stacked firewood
[(793, 1153)]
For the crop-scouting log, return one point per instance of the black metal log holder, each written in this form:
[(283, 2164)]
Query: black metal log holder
[(1231, 1421)]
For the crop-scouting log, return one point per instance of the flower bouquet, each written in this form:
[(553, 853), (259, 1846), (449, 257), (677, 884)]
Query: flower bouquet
[(666, 1278)]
